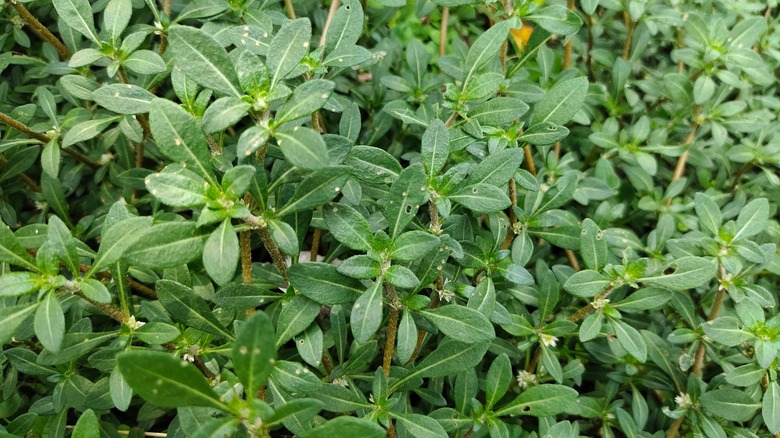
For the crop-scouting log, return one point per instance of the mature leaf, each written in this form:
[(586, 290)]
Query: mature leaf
[(498, 379), (689, 272), (586, 283), (404, 198), (485, 48), (224, 113), (450, 357), (752, 219), (220, 253), (729, 403), (166, 381), (50, 322), (420, 426), (366, 315), (346, 427), (178, 186), (348, 226), (303, 147), (78, 15), (305, 99), (203, 59), (562, 102), (497, 168), (630, 339), (12, 317), (288, 47), (166, 245), (461, 323), (481, 198), (708, 212), (188, 308), (319, 188), (541, 401), (87, 130), (770, 407), (11, 251), (346, 26), (593, 247), (123, 98), (323, 283), (87, 425), (435, 148), (295, 317), (254, 352)]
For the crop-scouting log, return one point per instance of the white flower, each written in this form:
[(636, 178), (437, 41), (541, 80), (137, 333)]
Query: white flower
[(135, 325), (683, 401), (342, 381), (525, 379), (548, 340), (188, 357), (446, 295), (599, 303)]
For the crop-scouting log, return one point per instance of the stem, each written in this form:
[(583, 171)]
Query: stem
[(198, 362), (739, 174), (113, 312), (272, 249), (40, 30), (334, 6), (145, 290), (568, 47), (290, 10), (629, 34), (326, 362), (452, 119), (572, 259), (315, 244), (216, 148), (167, 7), (23, 177), (679, 168), (392, 329), (445, 17), (510, 235)]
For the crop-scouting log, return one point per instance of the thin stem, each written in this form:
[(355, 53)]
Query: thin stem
[(572, 260), (112, 311), (326, 362), (145, 290), (510, 235), (679, 168), (445, 17), (40, 30), (452, 119), (167, 7), (272, 249), (739, 174), (334, 6), (315, 244), (290, 10), (529, 160), (629, 34), (198, 362), (569, 45), (392, 329), (31, 183)]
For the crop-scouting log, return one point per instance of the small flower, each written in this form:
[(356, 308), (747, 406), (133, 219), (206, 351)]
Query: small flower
[(599, 303), (106, 158), (525, 379), (683, 401), (135, 325), (189, 357), (446, 295), (342, 381), (548, 340)]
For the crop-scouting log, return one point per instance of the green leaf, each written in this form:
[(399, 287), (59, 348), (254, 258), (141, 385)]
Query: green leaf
[(63, 243), (449, 358), (499, 111), (87, 426), (461, 323), (319, 188), (346, 427), (177, 186), (11, 251), (404, 198), (295, 317), (305, 100), (50, 322), (348, 226), (78, 15), (586, 283), (224, 113), (123, 98), (347, 56), (254, 352), (186, 307), (414, 245), (689, 272), (406, 337), (497, 168), (591, 326), (402, 277), (770, 407), (303, 147), (593, 247), (481, 198), (323, 283), (725, 330), (752, 219), (336, 398), (145, 62), (729, 403), (435, 148), (180, 138), (372, 165), (345, 27), (86, 130), (562, 102), (117, 239), (50, 158), (556, 19), (645, 299), (543, 134), (498, 379), (366, 315), (167, 245), (541, 401), (485, 48), (302, 408), (288, 47), (166, 381), (420, 426), (284, 237), (203, 59), (12, 317), (157, 333), (220, 254), (708, 213), (630, 339)]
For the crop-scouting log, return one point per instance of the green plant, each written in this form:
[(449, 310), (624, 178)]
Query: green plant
[(251, 218)]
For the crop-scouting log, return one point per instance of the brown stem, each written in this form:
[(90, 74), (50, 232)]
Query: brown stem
[(272, 249), (145, 290), (326, 362), (315, 244), (290, 10), (198, 362), (391, 429), (334, 6), (529, 160), (568, 47), (572, 260), (216, 148), (40, 30), (392, 329), (510, 235), (445, 17), (680, 64), (452, 119), (435, 300), (679, 168), (629, 34), (167, 7), (672, 432), (113, 312)]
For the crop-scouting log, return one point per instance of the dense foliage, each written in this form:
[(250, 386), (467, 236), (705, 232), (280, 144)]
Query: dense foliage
[(358, 219)]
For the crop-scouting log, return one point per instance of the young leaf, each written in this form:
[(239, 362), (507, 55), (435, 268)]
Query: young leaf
[(87, 425), (224, 113), (166, 381), (254, 352), (204, 60), (306, 99), (593, 247), (220, 254)]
